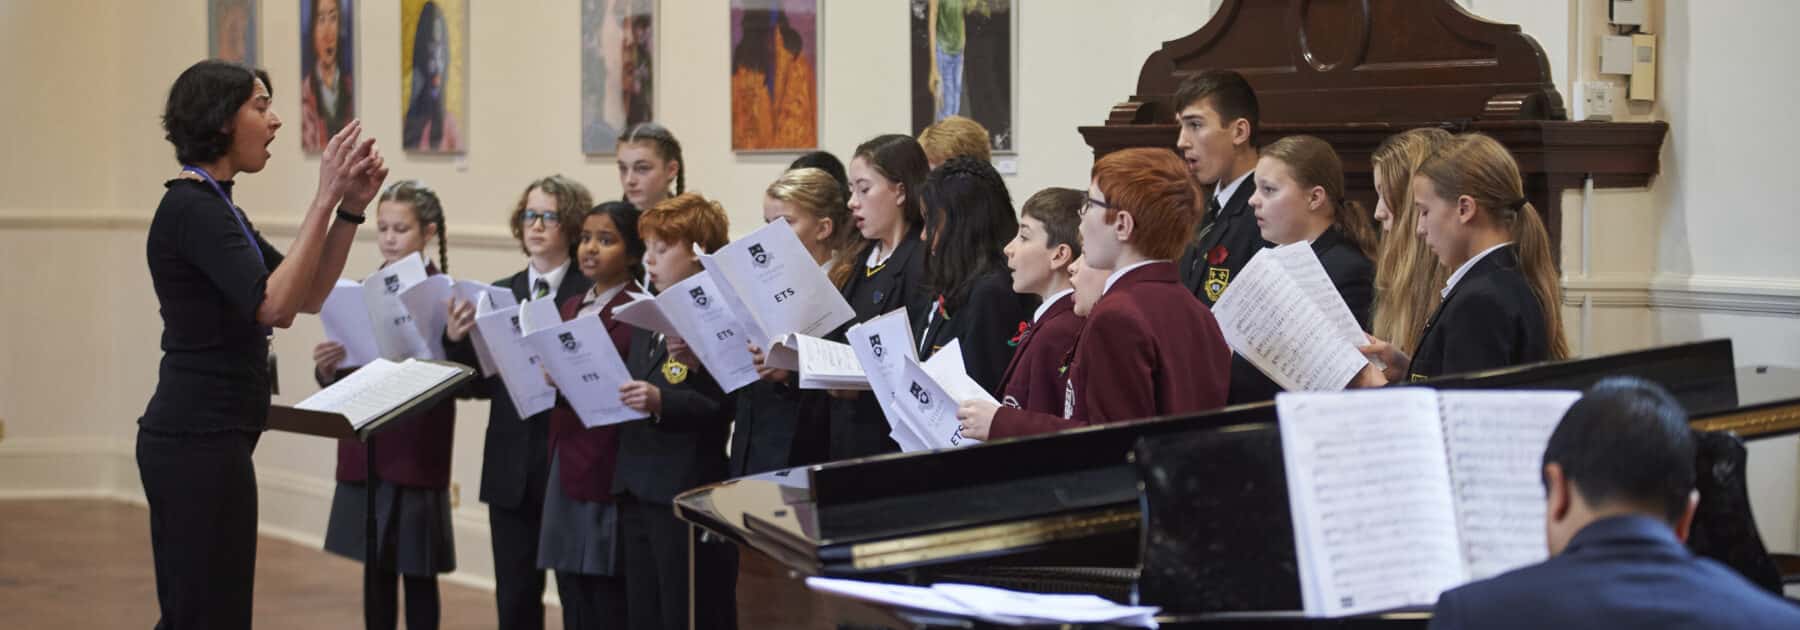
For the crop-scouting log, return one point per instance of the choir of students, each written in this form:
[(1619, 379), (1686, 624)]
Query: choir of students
[(1084, 307)]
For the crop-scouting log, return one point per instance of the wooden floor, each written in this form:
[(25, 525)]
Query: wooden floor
[(68, 564)]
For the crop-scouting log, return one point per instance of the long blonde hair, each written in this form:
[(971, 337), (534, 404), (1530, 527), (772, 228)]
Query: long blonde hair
[(818, 193), (1407, 275), (1480, 167)]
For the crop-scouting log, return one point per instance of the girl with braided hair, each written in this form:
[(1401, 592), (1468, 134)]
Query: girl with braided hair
[(412, 491), (649, 159)]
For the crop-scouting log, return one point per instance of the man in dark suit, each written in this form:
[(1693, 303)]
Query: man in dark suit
[(1620, 478), (1217, 112)]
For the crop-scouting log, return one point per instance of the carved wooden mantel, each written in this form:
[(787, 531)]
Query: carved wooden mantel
[(1354, 72)]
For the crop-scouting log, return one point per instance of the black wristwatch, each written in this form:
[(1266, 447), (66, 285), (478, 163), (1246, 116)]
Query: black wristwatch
[(353, 219)]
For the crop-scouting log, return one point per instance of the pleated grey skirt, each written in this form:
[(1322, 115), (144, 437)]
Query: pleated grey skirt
[(577, 536), (413, 525)]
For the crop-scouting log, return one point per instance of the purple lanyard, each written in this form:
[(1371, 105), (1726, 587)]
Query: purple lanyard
[(266, 331), (234, 211)]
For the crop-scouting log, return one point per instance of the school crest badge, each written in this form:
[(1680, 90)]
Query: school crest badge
[(393, 284), (675, 372), (758, 256), (876, 347), (569, 343), (919, 393), (699, 296), (1216, 281)]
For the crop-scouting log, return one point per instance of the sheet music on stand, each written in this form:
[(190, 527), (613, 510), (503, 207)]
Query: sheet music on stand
[(1400, 494), (1283, 315), (378, 388)]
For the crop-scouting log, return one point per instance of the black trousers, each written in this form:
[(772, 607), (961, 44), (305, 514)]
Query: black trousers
[(657, 578), (591, 601), (202, 495), (422, 602), (518, 582)]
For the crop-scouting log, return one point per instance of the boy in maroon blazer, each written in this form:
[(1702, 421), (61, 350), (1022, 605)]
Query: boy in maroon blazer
[(1149, 347), (1041, 258)]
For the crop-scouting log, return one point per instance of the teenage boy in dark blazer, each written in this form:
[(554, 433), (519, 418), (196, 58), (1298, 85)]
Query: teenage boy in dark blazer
[(1217, 113)]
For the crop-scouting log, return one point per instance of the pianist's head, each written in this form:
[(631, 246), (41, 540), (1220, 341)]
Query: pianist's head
[(1623, 449)]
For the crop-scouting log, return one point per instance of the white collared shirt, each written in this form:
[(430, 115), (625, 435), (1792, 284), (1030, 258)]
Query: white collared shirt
[(1114, 278), (1224, 193), (1048, 303), (598, 300), (552, 277), (1464, 269)]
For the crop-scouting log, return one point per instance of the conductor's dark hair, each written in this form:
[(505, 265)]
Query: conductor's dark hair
[(969, 217), (203, 104), (1627, 440), (1226, 92), (824, 161)]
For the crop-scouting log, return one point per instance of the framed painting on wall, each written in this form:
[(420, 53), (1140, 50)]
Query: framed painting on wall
[(774, 75), (327, 69), (231, 31), (434, 75), (618, 71), (962, 64)]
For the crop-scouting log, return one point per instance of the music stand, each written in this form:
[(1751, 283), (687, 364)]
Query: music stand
[(336, 426)]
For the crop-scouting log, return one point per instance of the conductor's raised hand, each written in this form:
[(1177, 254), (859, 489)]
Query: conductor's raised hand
[(334, 164), (367, 172)]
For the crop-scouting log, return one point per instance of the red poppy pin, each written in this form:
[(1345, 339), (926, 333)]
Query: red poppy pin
[(1217, 255), (1017, 339)]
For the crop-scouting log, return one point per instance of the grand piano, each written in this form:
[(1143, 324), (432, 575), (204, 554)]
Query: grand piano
[(1190, 513)]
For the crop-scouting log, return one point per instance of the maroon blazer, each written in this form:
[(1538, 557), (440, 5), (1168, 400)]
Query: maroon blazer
[(587, 456), (414, 454), (1034, 380), (1149, 349)]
